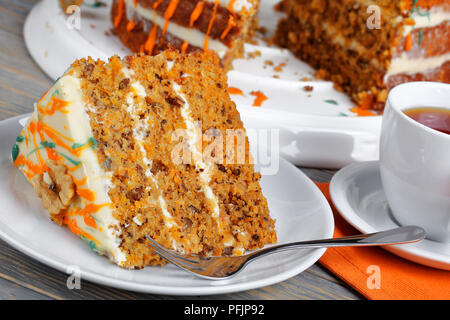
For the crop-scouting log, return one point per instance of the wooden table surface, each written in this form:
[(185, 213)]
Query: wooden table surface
[(21, 84)]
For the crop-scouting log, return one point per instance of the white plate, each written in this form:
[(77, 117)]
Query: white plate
[(300, 210), (316, 128), (358, 195)]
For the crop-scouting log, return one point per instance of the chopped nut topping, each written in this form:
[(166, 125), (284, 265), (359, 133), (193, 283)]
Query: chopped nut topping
[(55, 188)]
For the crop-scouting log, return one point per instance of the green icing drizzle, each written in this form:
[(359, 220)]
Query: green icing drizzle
[(331, 102), (420, 37), (44, 144), (47, 144), (414, 6), (417, 9), (75, 163), (91, 141), (96, 4), (20, 138), (90, 243), (78, 145), (15, 152)]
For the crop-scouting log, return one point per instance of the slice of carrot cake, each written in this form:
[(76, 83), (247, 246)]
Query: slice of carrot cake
[(146, 145), (152, 26), (367, 47)]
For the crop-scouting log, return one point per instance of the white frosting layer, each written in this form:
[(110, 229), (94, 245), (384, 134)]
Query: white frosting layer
[(140, 127), (435, 17), (403, 64), (73, 127), (194, 136), (191, 35)]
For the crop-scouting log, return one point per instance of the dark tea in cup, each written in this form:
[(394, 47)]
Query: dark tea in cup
[(434, 118)]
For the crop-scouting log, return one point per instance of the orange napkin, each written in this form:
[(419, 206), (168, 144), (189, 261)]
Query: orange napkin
[(379, 274)]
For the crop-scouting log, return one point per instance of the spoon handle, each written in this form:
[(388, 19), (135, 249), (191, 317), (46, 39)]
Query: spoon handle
[(399, 235)]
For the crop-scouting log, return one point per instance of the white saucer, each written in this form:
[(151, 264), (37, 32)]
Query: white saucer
[(300, 209), (357, 194)]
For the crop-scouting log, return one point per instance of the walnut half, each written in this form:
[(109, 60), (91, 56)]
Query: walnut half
[(55, 188)]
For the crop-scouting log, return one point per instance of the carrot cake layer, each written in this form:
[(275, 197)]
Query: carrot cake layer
[(368, 47), (140, 146)]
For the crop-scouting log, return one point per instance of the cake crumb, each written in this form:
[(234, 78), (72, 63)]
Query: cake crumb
[(279, 68), (253, 54)]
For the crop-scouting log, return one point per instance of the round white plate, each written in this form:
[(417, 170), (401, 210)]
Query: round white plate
[(357, 194), (316, 128), (300, 210)]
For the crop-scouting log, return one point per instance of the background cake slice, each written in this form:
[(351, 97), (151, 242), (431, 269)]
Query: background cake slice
[(190, 25), (368, 47), (138, 146), (152, 26)]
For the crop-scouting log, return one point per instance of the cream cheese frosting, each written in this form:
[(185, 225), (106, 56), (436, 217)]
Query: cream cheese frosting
[(59, 129), (431, 18)]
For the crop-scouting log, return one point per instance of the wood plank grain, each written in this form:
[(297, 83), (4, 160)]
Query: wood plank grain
[(21, 84), (9, 290)]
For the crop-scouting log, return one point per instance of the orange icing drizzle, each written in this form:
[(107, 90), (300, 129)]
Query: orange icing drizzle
[(120, 12), (54, 105), (52, 154), (86, 213), (361, 112), (80, 182), (32, 127), (156, 4), (184, 47), (233, 90), (231, 5), (408, 42), (151, 40), (35, 168), (196, 13), (130, 25), (53, 135), (84, 193), (87, 194), (73, 226), (230, 25), (46, 128), (43, 96), (260, 98), (211, 21), (73, 169), (168, 14), (135, 3), (27, 137)]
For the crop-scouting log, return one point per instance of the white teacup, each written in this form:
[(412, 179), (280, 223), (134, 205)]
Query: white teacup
[(415, 160)]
